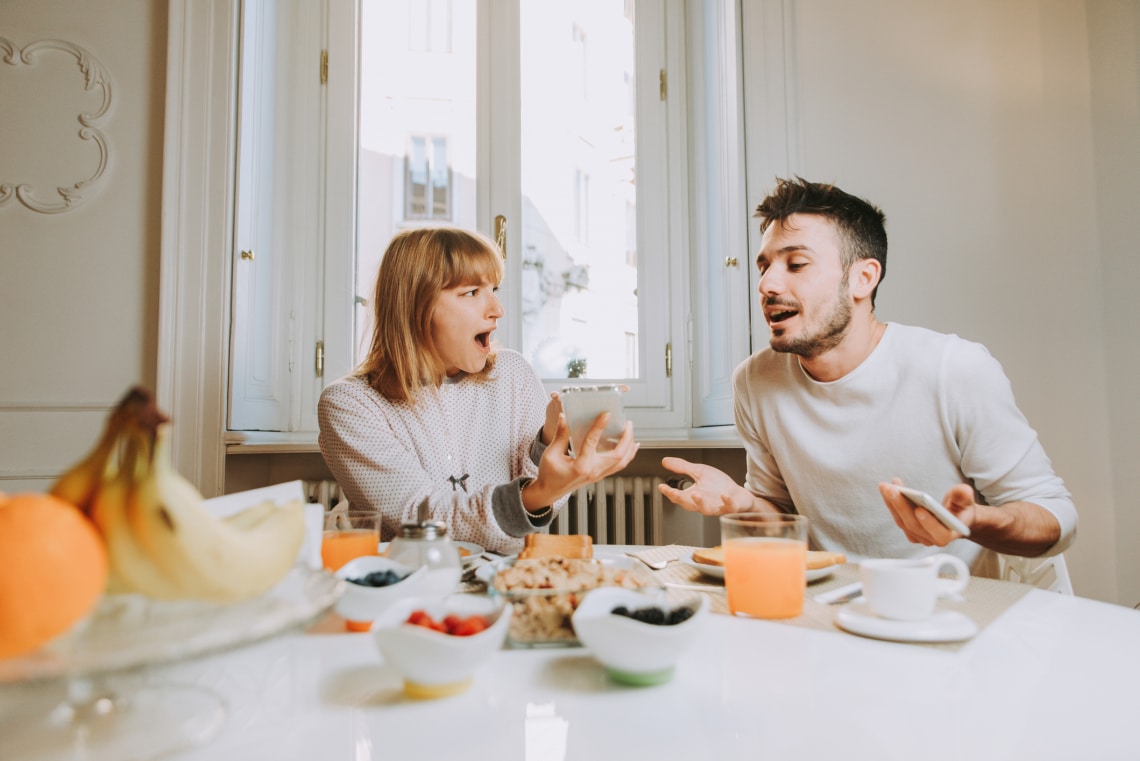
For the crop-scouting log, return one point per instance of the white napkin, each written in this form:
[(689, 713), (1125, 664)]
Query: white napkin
[(658, 557), (310, 552)]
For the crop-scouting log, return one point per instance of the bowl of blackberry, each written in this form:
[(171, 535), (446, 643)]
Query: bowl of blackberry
[(638, 636)]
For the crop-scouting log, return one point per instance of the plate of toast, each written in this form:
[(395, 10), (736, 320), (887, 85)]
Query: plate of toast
[(710, 561)]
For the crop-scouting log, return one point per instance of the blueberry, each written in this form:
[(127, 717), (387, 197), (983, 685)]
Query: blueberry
[(378, 579)]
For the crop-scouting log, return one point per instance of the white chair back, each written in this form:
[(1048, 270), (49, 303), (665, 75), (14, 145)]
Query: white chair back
[(1048, 573)]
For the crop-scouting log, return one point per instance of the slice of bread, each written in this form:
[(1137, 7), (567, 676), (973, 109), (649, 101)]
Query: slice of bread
[(557, 545), (816, 559), (709, 556)]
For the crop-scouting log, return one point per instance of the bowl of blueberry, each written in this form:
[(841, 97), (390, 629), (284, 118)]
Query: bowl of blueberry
[(638, 636), (374, 583)]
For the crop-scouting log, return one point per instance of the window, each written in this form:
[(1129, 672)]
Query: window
[(427, 179), (429, 27), (446, 127)]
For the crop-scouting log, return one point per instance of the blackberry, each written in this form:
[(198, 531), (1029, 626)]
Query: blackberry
[(621, 610), (678, 615), (649, 616)]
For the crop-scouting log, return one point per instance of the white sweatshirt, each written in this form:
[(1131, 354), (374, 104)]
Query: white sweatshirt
[(934, 410)]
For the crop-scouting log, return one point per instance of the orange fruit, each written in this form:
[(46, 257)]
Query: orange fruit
[(53, 569)]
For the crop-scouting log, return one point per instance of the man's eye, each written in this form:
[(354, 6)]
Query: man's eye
[(796, 266)]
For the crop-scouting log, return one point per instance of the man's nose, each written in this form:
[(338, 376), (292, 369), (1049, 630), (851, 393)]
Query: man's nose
[(770, 282)]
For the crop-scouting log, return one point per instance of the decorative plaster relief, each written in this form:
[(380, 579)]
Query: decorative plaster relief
[(94, 77)]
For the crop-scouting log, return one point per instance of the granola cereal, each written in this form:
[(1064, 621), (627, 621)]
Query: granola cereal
[(546, 591)]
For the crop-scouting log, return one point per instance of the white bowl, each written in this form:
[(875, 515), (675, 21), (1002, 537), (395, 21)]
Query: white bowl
[(434, 664), (360, 605), (634, 652)]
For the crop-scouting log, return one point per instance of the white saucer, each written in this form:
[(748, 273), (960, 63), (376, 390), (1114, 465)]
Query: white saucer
[(944, 626), (717, 571)]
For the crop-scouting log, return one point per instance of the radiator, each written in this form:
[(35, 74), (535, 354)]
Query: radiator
[(326, 492), (616, 510)]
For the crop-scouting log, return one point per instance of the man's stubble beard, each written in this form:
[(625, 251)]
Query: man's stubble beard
[(826, 338)]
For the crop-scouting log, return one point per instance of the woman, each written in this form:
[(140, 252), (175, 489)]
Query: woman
[(435, 412)]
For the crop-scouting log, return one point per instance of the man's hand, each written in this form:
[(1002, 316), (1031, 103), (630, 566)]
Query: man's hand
[(1014, 528), (712, 492), (919, 524)]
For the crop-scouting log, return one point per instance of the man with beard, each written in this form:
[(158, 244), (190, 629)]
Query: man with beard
[(842, 409)]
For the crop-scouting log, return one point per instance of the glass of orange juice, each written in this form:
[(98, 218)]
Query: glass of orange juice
[(349, 534), (765, 555)]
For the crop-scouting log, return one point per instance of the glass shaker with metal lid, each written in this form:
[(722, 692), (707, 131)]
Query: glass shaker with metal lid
[(425, 543)]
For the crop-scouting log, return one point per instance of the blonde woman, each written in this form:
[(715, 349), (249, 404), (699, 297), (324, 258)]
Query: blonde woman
[(437, 412)]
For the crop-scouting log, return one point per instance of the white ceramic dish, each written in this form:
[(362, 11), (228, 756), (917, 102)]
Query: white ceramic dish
[(473, 550), (717, 571), (360, 605), (634, 652), (434, 664), (944, 626)]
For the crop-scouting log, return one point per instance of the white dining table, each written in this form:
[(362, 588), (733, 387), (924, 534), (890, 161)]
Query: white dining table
[(1053, 677)]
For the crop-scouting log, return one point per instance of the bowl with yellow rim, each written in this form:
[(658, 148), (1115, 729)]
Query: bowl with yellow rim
[(434, 663)]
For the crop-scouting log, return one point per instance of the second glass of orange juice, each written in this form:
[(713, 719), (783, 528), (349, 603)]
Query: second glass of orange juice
[(765, 557), (349, 535)]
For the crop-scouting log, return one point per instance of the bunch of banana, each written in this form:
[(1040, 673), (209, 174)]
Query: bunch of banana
[(161, 540)]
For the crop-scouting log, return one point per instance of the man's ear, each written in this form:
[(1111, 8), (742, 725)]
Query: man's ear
[(865, 275)]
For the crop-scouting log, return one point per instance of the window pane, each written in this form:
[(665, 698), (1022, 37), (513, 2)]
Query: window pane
[(417, 128), (579, 287)]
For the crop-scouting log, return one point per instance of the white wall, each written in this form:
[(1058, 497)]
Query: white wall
[(972, 125), (78, 288), (1114, 35)]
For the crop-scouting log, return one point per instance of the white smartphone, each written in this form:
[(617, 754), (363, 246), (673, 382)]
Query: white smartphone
[(583, 404), (947, 518)]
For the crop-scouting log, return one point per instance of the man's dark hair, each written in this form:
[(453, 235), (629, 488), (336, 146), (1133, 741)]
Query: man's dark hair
[(861, 225)]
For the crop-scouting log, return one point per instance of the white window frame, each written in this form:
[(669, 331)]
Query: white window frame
[(198, 207)]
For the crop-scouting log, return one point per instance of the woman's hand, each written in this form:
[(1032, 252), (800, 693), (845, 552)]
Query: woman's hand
[(553, 410), (559, 473)]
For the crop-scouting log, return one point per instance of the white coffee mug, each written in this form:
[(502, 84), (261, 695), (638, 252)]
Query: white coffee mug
[(907, 589)]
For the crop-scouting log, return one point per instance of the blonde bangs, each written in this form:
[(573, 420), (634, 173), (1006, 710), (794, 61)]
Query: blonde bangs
[(470, 258)]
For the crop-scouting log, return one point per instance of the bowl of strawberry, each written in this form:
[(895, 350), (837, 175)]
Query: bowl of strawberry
[(438, 645)]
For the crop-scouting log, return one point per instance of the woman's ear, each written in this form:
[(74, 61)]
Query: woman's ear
[(865, 276)]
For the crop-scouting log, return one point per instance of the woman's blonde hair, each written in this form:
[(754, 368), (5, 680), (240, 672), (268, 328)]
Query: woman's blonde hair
[(417, 265)]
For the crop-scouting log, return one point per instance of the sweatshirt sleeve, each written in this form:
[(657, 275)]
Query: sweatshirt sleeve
[(1000, 453)]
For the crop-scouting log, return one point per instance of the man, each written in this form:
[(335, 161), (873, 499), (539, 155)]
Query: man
[(841, 402)]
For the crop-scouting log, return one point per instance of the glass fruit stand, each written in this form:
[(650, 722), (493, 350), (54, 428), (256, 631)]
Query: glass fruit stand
[(96, 694)]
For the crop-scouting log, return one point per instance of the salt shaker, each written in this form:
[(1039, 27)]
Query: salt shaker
[(426, 544)]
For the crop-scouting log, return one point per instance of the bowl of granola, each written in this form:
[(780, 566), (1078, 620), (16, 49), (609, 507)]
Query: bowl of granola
[(545, 592)]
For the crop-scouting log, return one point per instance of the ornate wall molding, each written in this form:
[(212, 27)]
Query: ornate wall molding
[(95, 77)]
